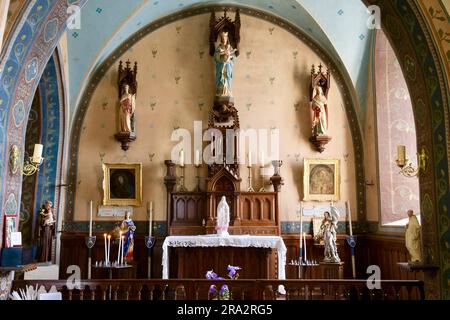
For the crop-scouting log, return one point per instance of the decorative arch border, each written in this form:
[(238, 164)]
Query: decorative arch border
[(340, 76)]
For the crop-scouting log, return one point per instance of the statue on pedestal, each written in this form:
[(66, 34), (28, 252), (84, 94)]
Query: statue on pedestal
[(327, 233), (223, 217), (128, 230), (413, 237), (224, 57), (46, 231), (127, 109)]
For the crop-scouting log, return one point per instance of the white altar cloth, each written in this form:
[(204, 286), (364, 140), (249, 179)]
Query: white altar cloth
[(240, 241)]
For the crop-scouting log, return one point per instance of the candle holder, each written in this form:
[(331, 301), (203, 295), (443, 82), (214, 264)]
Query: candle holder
[(250, 187), (197, 177), (406, 168), (182, 187), (262, 189), (90, 242)]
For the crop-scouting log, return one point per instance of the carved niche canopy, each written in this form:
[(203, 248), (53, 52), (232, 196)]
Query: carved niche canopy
[(127, 76), (224, 23)]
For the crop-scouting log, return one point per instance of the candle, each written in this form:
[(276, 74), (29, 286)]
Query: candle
[(304, 244), (182, 158), (106, 249), (197, 157), (90, 220), (301, 231), (401, 155), (150, 218), (109, 248), (37, 154), (123, 239), (262, 159), (120, 246), (249, 158), (349, 218)]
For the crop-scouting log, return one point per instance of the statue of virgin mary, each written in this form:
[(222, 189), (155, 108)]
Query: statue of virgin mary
[(126, 111), (320, 112), (224, 57), (223, 217)]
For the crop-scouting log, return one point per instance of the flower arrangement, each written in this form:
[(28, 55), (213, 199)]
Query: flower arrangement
[(224, 293)]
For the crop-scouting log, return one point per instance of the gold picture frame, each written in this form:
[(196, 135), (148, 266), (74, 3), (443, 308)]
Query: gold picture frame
[(122, 184), (321, 179)]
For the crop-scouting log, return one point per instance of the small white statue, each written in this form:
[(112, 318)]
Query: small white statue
[(413, 237), (223, 217), (327, 233)]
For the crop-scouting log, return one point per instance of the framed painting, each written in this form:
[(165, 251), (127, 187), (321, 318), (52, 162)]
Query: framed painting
[(321, 179), (122, 184)]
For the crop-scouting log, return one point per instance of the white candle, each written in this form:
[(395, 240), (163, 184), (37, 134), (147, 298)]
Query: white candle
[(109, 248), (37, 154), (106, 249), (90, 220), (262, 159), (301, 229), (249, 158), (182, 158), (304, 244), (150, 218), (197, 157), (120, 246), (349, 218), (123, 239)]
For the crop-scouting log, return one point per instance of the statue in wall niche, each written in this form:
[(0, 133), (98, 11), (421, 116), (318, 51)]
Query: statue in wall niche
[(320, 85), (223, 217), (225, 58), (126, 111), (127, 104), (46, 231), (413, 237), (328, 233)]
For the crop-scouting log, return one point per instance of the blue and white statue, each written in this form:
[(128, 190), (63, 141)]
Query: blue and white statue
[(224, 57), (128, 229)]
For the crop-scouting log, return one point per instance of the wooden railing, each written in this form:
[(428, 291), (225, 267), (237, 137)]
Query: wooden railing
[(191, 289)]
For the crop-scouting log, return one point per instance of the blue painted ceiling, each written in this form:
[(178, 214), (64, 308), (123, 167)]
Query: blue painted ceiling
[(337, 26)]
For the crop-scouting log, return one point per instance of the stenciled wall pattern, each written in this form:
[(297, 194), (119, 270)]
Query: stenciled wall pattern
[(175, 77)]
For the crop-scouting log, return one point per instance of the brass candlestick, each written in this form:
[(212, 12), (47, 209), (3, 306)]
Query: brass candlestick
[(250, 187), (182, 187), (197, 176), (262, 189)]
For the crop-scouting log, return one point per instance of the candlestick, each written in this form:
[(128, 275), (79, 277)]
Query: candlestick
[(304, 244), (182, 187), (109, 248), (120, 246), (301, 230), (349, 218), (182, 158), (123, 239), (106, 249), (90, 220), (197, 176), (197, 157), (262, 189), (250, 187), (401, 155), (150, 219), (249, 159)]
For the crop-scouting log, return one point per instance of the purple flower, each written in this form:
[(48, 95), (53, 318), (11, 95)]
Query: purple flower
[(211, 275), (213, 289), (232, 272), (224, 290)]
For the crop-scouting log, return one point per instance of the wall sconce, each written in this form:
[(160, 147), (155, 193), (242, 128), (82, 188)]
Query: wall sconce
[(405, 164), (30, 166)]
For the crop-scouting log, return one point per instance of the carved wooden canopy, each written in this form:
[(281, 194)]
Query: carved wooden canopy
[(321, 79), (224, 23), (127, 76)]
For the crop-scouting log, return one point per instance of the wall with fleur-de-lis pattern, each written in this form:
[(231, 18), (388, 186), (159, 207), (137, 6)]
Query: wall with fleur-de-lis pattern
[(176, 88)]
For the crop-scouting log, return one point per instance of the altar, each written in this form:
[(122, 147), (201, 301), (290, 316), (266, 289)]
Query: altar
[(196, 255)]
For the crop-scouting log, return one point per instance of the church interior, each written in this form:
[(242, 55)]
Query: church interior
[(224, 150)]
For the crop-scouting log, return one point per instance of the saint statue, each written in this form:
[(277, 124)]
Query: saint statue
[(224, 57), (327, 233), (126, 111), (413, 237), (128, 229), (46, 231), (319, 112), (223, 217)]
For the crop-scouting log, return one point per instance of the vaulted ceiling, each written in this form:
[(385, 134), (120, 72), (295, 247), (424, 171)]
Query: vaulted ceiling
[(339, 27)]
